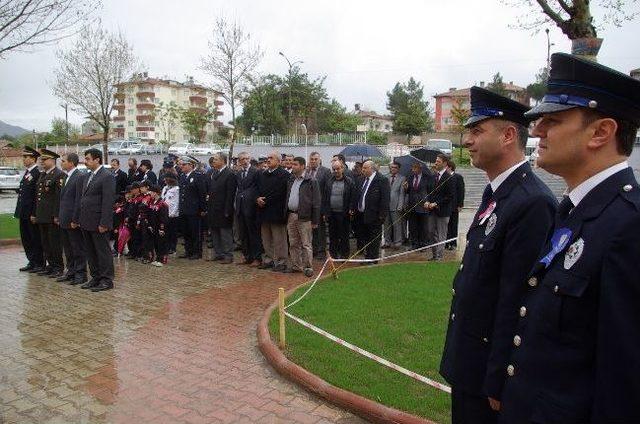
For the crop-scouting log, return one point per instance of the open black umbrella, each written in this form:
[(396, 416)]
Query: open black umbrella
[(407, 161), (361, 152), (426, 154)]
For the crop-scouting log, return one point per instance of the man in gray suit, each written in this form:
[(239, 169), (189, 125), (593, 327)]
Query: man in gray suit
[(95, 216), (393, 233), (321, 174), (72, 242)]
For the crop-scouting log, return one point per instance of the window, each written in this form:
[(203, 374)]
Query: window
[(156, 124), (174, 92), (130, 112), (130, 89), (130, 123), (156, 100), (130, 100), (131, 134), (142, 134)]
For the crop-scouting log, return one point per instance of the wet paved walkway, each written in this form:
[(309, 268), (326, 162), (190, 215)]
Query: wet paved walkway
[(168, 345)]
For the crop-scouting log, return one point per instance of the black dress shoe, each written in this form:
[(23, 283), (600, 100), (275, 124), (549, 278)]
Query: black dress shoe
[(27, 267), (185, 256), (265, 265), (279, 268), (195, 257), (45, 271), (102, 287), (65, 277), (90, 284), (36, 269), (78, 280), (56, 275)]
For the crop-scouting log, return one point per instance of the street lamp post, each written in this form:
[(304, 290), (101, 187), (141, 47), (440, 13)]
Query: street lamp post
[(291, 65), (66, 120), (304, 128), (549, 44)]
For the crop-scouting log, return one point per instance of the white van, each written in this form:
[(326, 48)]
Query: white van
[(531, 151), (444, 145)]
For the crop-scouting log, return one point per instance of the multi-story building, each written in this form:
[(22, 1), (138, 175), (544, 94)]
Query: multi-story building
[(460, 98), (138, 116), (374, 121), (635, 73)]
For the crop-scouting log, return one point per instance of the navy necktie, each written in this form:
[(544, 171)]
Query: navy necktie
[(564, 208), (487, 194)]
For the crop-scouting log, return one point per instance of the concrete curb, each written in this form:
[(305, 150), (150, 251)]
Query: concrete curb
[(9, 242), (365, 408)]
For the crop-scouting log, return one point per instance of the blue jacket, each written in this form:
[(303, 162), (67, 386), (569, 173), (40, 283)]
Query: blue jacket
[(578, 331), (193, 194), (488, 286)]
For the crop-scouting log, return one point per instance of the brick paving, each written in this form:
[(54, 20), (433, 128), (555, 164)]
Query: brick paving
[(174, 344)]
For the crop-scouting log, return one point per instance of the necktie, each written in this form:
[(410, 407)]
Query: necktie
[(393, 179), (487, 194), (364, 192), (564, 208), (416, 181), (90, 178), (437, 178)]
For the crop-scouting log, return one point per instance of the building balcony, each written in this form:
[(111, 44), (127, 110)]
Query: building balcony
[(119, 106), (198, 108), (146, 92), (119, 95), (218, 102), (198, 98), (145, 117), (145, 129), (145, 105), (219, 113), (119, 118)]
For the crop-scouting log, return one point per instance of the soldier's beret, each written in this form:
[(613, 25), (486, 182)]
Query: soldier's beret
[(486, 104)]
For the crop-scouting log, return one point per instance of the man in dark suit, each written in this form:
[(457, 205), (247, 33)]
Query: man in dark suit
[(418, 185), (146, 169), (122, 180), (440, 204), (373, 207), (505, 236), (26, 209), (221, 196), (95, 217), (246, 195), (574, 352), (192, 206), (321, 174), (458, 204), (133, 173), (72, 241), (46, 215)]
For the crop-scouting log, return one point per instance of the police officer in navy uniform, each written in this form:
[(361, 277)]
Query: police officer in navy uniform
[(575, 348), (192, 205), (46, 215), (505, 237), (26, 209)]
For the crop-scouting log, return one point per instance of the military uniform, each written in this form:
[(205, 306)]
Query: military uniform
[(47, 209), (193, 191), (575, 350), (25, 209), (503, 242)]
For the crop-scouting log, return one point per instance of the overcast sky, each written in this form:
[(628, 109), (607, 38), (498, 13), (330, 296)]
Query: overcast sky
[(363, 47)]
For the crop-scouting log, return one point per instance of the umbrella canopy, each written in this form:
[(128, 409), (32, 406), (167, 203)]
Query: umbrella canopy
[(360, 152), (426, 154), (405, 164)]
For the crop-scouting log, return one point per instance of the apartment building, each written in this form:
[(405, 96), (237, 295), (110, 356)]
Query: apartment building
[(137, 101), (447, 100), (374, 121)]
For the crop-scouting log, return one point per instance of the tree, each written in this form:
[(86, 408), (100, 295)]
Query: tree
[(194, 120), (58, 134), (26, 24), (497, 85), (573, 17), (167, 115), (408, 108), (88, 72), (538, 89), (459, 115), (231, 60)]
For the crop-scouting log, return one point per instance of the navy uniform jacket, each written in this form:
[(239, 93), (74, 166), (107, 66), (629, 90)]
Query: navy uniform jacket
[(487, 288), (26, 206), (193, 193), (578, 334)]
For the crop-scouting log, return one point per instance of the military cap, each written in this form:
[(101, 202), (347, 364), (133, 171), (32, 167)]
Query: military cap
[(48, 154), (486, 104), (575, 82), (188, 159), (30, 151)]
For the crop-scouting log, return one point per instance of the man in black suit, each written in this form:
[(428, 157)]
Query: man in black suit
[(246, 196), (192, 206), (440, 204), (221, 196), (452, 229), (133, 173), (321, 174), (418, 185), (95, 217), (26, 208), (72, 241), (373, 207), (122, 180), (146, 169)]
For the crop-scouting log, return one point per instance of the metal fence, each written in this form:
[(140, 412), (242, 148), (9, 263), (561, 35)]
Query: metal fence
[(339, 139)]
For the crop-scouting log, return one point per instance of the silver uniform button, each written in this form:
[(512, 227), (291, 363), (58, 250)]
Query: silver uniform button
[(453, 292), (467, 242), (555, 289), (511, 370), (533, 281), (523, 311), (480, 246), (486, 340), (453, 317), (517, 340), (627, 187), (461, 267)]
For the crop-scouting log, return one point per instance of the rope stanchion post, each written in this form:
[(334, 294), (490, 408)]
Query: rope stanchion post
[(283, 337)]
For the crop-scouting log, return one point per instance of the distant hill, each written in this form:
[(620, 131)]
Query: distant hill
[(12, 130)]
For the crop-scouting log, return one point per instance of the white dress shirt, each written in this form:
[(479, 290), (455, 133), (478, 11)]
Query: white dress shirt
[(577, 194)]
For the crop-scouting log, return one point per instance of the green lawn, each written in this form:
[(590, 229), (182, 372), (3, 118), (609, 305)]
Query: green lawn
[(465, 160), (398, 312), (9, 226)]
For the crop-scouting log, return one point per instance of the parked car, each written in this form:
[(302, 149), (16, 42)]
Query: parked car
[(132, 149), (9, 178), (444, 145), (152, 149), (180, 148), (290, 144), (204, 149)]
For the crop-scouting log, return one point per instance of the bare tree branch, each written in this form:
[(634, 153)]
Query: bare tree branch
[(26, 24)]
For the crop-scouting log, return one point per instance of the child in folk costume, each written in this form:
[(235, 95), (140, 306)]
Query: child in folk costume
[(131, 218), (157, 220), (171, 196), (142, 224)]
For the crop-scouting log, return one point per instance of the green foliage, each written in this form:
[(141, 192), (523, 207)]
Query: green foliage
[(58, 134), (497, 85), (408, 108), (194, 120), (9, 226), (538, 89), (167, 116), (376, 137), (397, 311)]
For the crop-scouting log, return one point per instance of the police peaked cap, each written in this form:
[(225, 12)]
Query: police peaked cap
[(48, 154), (30, 151), (576, 82), (486, 104)]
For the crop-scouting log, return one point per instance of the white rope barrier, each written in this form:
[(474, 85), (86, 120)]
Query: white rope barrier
[(310, 287), (370, 355)]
